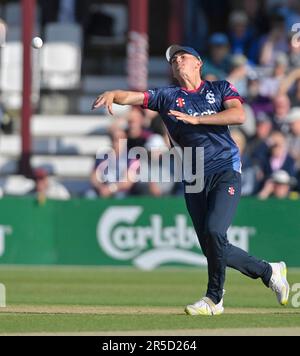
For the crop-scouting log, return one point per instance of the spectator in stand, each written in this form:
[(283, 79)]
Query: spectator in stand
[(248, 171), (238, 74), (257, 146), (279, 186), (112, 168), (291, 86), (294, 49), (279, 157), (218, 62), (137, 135), (242, 36), (47, 188), (276, 41), (282, 106), (270, 85), (257, 102)]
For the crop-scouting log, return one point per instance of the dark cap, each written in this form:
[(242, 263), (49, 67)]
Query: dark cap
[(218, 39), (172, 50)]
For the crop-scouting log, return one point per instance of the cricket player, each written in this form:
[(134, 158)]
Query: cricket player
[(197, 113)]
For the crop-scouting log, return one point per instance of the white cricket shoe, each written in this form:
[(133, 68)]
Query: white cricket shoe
[(205, 306), (278, 282)]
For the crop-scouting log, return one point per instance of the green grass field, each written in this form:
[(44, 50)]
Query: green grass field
[(115, 301)]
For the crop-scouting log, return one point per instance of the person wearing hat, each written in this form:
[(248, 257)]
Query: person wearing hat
[(197, 114), (219, 60), (278, 186), (242, 36), (47, 188)]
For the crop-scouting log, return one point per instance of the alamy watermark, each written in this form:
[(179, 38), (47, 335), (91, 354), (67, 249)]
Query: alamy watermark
[(2, 296), (296, 297), (140, 165), (296, 37)]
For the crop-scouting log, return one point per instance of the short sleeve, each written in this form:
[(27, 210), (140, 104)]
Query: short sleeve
[(229, 92), (154, 100)]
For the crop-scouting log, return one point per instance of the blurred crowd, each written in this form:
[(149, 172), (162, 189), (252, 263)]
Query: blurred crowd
[(257, 49), (138, 129), (259, 52)]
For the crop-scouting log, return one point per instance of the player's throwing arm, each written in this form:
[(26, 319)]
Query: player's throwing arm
[(118, 97)]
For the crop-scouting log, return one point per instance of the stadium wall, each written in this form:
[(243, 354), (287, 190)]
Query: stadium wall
[(144, 232)]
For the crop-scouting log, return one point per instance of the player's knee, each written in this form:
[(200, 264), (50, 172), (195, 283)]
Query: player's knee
[(215, 233), (217, 241), (212, 231)]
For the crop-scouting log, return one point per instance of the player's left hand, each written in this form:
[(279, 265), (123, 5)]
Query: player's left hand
[(106, 99), (184, 117)]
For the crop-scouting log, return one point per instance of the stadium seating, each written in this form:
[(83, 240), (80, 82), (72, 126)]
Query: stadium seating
[(61, 32), (61, 66), (11, 75), (10, 145), (64, 145), (14, 34), (61, 57), (61, 166), (16, 185)]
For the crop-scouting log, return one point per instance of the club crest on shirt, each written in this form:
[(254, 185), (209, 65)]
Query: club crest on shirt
[(180, 102), (210, 97)]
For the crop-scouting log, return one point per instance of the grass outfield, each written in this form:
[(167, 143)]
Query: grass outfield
[(97, 300)]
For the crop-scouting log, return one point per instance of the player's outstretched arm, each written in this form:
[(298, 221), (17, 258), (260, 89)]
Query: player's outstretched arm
[(120, 97)]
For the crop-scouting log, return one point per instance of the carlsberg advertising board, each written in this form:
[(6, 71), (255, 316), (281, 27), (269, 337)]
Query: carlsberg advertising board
[(145, 233), (148, 247)]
